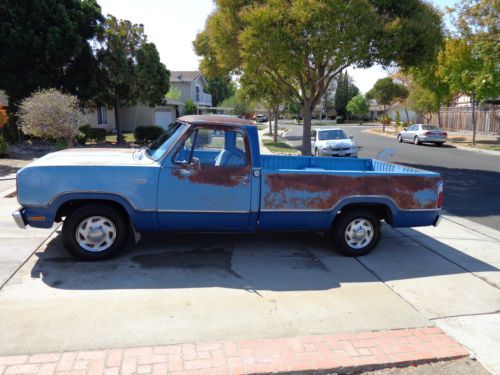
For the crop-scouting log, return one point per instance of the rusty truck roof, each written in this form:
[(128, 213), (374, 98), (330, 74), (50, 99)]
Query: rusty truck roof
[(215, 120)]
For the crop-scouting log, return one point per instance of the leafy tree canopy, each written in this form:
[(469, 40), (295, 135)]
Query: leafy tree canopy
[(45, 43), (220, 88), (303, 44), (131, 67), (345, 91), (358, 105), (387, 93)]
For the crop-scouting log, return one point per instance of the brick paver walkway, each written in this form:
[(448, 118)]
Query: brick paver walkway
[(326, 352)]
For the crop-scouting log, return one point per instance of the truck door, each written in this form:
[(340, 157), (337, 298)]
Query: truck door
[(206, 184)]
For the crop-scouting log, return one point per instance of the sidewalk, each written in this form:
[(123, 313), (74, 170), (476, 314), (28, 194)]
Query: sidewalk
[(339, 352)]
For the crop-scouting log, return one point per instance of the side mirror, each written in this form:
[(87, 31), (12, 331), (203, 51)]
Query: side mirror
[(404, 129), (351, 136)]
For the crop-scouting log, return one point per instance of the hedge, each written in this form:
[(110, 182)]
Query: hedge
[(147, 134)]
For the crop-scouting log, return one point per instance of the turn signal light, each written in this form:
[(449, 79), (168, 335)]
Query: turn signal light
[(440, 196)]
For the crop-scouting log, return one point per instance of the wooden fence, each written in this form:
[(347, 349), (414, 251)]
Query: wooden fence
[(460, 118)]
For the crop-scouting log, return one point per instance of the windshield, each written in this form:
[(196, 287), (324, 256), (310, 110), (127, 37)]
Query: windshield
[(325, 135), (429, 127), (156, 150)]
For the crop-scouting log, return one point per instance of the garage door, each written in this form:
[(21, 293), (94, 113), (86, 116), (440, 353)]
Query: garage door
[(163, 118)]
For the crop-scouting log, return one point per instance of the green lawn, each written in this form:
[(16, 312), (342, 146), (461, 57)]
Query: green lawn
[(279, 146), (129, 137)]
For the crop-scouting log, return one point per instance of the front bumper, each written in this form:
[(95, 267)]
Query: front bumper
[(18, 218), (348, 153)]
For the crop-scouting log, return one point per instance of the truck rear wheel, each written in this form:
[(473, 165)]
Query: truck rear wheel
[(356, 232), (94, 232)]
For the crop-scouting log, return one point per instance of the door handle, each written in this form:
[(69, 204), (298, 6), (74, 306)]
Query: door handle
[(186, 172), (242, 179)]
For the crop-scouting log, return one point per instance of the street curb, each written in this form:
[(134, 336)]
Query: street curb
[(488, 152), (5, 193), (318, 354)]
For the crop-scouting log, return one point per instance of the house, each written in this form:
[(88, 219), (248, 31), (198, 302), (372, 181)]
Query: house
[(405, 115), (191, 85)]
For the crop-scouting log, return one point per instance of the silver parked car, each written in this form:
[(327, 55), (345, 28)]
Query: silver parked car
[(420, 133), (332, 142)]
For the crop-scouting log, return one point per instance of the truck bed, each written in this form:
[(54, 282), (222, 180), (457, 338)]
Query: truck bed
[(297, 190), (310, 164)]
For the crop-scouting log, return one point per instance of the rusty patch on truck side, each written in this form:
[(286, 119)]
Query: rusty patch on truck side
[(310, 191), (221, 176)]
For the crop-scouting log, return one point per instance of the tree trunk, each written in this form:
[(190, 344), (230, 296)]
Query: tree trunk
[(118, 125), (407, 117), (473, 120), (275, 137), (269, 118), (306, 130), (384, 118)]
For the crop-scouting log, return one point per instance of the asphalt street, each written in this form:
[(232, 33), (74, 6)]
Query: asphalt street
[(472, 179)]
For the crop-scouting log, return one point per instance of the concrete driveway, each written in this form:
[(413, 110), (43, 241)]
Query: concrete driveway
[(197, 288)]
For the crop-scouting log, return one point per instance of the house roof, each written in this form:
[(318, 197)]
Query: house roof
[(215, 120), (184, 76)]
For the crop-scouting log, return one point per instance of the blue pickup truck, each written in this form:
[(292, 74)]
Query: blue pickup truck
[(206, 174)]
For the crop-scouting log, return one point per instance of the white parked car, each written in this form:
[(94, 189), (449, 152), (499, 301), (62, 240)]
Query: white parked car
[(332, 142), (420, 133)]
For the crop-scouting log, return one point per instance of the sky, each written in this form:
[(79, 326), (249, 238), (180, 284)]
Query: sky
[(172, 25)]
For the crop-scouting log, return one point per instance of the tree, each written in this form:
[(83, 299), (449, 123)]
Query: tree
[(241, 106), (422, 100), (51, 114), (387, 93), (45, 43), (346, 90), (358, 106), (131, 68), (190, 108), (220, 88), (303, 45)]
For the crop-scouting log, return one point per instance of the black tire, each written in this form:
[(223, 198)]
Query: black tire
[(400, 138), (439, 144), (339, 228), (82, 213), (316, 152), (417, 141)]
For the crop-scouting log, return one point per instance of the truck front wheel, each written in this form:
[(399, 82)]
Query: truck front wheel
[(94, 232), (356, 232)]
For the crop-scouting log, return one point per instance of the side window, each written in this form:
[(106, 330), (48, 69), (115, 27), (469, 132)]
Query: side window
[(183, 154), (313, 135), (213, 148)]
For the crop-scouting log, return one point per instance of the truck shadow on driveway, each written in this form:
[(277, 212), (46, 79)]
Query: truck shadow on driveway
[(275, 262)]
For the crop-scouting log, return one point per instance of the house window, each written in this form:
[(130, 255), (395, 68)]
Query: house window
[(197, 93), (102, 115)]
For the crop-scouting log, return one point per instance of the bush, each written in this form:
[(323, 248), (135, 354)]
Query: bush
[(60, 144), (97, 135), (51, 114), (147, 134), (338, 120), (190, 108)]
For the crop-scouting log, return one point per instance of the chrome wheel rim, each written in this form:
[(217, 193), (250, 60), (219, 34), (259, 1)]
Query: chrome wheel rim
[(95, 233), (416, 140), (359, 233)]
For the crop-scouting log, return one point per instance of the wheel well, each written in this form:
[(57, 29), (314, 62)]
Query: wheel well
[(68, 206), (382, 211)]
